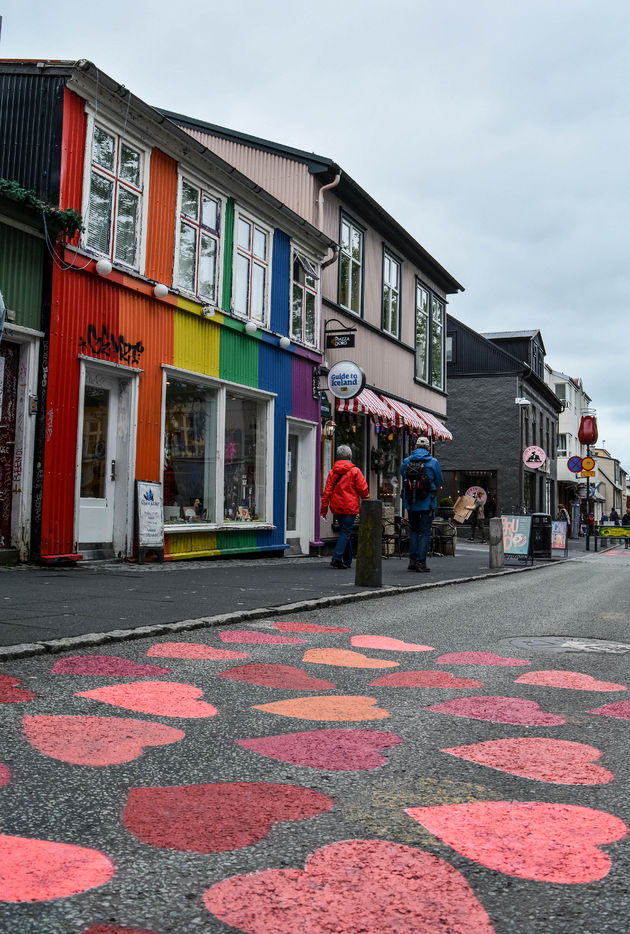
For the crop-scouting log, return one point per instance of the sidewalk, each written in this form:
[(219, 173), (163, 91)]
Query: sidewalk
[(89, 604)]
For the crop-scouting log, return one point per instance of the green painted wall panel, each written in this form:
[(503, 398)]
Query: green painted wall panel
[(238, 358), (228, 243), (21, 270)]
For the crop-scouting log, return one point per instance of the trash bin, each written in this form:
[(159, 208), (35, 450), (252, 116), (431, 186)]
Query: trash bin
[(541, 536)]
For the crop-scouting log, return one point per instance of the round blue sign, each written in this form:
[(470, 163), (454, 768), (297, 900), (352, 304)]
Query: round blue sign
[(574, 464)]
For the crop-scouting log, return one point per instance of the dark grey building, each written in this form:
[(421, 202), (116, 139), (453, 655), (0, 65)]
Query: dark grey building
[(499, 406)]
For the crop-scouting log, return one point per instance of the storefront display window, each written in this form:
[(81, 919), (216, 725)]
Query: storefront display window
[(351, 430), (244, 484), (387, 458), (190, 457)]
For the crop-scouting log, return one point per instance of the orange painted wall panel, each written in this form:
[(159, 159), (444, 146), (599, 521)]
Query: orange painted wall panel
[(72, 151), (161, 218)]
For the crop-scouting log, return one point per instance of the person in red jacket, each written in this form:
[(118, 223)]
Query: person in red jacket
[(345, 487)]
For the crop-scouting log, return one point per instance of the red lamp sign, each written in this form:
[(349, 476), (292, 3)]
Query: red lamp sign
[(587, 433)]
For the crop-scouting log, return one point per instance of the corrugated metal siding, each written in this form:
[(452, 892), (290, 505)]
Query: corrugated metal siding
[(182, 546), (196, 343), (239, 357), (161, 219), (228, 245), (31, 110), (280, 280), (21, 270), (304, 406), (276, 369), (72, 152)]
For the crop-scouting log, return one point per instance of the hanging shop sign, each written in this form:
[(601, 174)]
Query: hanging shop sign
[(325, 406), (473, 490), (534, 457), (587, 432), (340, 340), (346, 379)]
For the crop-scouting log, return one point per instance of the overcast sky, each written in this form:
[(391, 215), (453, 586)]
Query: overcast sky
[(496, 132)]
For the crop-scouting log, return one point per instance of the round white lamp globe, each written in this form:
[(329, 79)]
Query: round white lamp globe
[(160, 290), (250, 328), (285, 342), (103, 267)]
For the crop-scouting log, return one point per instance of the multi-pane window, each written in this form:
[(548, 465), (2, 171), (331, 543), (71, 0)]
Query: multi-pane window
[(198, 242), (114, 208), (391, 295), (350, 266), (304, 300), (251, 269), (430, 337)]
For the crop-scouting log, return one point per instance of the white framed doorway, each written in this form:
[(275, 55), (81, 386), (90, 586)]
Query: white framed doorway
[(300, 485)]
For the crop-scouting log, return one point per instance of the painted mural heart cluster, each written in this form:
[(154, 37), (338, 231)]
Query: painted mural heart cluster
[(374, 886)]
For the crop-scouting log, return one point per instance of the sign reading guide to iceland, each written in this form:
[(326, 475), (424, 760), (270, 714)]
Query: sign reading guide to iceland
[(346, 379)]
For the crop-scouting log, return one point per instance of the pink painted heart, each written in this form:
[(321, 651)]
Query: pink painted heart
[(217, 817), (385, 643), (193, 650), (257, 638), (499, 710), (620, 710), (543, 842), (276, 676), (38, 870), (342, 707), (479, 658), (96, 740), (568, 679), (10, 693), (336, 750), (5, 775), (370, 886), (425, 679), (344, 658), (115, 929), (558, 761), (163, 698), (308, 627), (109, 666)]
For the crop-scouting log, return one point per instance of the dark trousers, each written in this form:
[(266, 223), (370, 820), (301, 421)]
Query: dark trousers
[(419, 533), (477, 523), (343, 548)]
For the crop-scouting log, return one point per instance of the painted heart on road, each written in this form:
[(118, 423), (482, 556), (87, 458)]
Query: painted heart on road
[(336, 750), (370, 886), (5, 775), (308, 627), (425, 679), (38, 870), (163, 698), (115, 929), (343, 707), (529, 840), (499, 710), (479, 658), (217, 817), (558, 761), (257, 638), (96, 740), (193, 650), (620, 710), (277, 676), (10, 693), (110, 666), (392, 645), (568, 679), (344, 658)]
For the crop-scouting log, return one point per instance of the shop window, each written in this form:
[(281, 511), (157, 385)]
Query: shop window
[(353, 430), (304, 300), (245, 481), (198, 241), (190, 458)]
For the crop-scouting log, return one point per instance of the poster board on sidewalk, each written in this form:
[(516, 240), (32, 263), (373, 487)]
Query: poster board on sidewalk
[(517, 532), (559, 531), (149, 519)]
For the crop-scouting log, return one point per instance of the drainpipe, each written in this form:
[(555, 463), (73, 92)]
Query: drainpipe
[(320, 200)]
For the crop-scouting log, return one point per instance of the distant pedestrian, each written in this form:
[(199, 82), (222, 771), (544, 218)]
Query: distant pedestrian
[(422, 478), (626, 518), (477, 519), (563, 516), (614, 516), (345, 488)]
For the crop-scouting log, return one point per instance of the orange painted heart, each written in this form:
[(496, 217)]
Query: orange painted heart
[(163, 698), (343, 707), (425, 679), (337, 750), (558, 761), (10, 693), (529, 840), (38, 870), (568, 679), (499, 710), (308, 627), (96, 740), (370, 886), (109, 666), (276, 676), (392, 645), (344, 658), (217, 817), (193, 650)]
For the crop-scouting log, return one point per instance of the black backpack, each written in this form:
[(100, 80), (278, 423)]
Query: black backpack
[(417, 482)]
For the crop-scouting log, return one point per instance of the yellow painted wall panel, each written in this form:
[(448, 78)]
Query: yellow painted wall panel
[(196, 343)]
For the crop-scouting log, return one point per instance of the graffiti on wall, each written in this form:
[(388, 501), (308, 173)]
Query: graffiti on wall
[(108, 345)]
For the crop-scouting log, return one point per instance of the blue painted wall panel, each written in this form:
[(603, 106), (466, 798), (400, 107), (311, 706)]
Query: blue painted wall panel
[(280, 279), (275, 374)]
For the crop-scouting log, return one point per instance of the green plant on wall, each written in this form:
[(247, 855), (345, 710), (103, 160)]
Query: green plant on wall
[(68, 222)]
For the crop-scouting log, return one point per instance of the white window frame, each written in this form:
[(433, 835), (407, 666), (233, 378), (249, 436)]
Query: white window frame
[(353, 226), (254, 261), (394, 263), (218, 236), (110, 126), (433, 302), (299, 255)]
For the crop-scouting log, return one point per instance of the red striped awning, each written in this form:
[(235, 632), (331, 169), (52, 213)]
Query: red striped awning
[(435, 428), (404, 415), (366, 403)]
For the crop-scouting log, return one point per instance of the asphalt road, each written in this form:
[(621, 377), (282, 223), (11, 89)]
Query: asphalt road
[(238, 794)]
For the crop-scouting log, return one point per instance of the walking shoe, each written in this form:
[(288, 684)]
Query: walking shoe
[(337, 564), (422, 566), (412, 566)]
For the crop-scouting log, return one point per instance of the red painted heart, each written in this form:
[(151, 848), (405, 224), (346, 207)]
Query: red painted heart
[(164, 698), (620, 710), (558, 761), (276, 676), (337, 750), (5, 775), (568, 679), (10, 693), (39, 870), (218, 817), (115, 929), (370, 886), (96, 740), (499, 710), (425, 679), (109, 666)]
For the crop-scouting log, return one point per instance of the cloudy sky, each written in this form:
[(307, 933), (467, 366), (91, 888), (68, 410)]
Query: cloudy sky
[(496, 132)]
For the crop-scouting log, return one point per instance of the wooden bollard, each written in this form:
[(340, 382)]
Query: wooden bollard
[(495, 535), (370, 545)]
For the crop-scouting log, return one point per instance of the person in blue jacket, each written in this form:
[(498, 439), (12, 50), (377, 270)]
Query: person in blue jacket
[(420, 509)]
